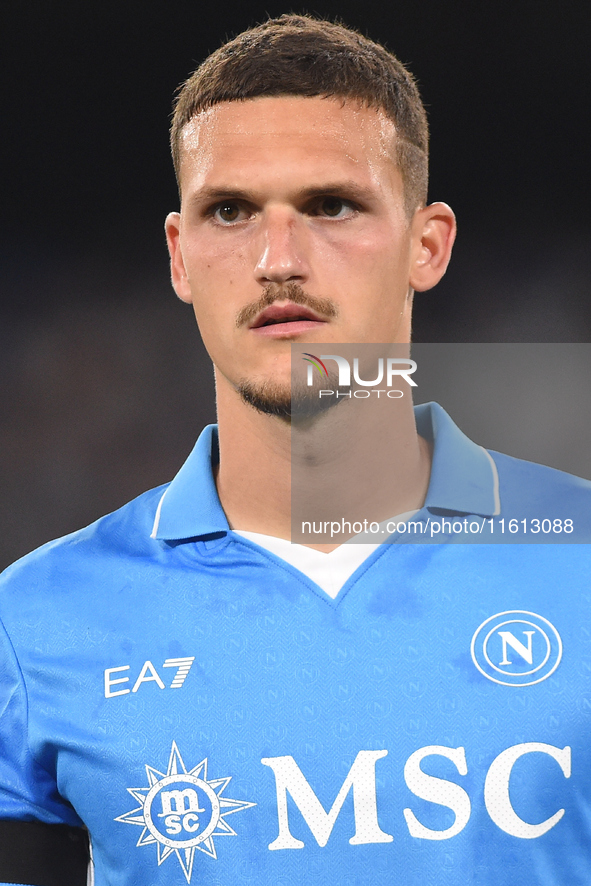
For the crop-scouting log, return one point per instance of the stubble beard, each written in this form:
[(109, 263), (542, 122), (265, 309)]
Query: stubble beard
[(290, 404), (266, 397)]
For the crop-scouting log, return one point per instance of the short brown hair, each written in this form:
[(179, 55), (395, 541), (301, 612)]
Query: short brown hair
[(298, 55)]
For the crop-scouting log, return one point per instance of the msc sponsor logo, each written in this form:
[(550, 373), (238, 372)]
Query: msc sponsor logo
[(516, 648), (361, 782), (182, 811)]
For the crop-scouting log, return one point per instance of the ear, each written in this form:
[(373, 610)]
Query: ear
[(180, 282), (433, 231)]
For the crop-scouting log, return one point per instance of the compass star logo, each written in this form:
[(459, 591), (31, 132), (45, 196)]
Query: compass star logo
[(182, 811)]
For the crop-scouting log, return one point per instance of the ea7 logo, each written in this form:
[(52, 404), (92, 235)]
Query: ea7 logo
[(148, 674), (516, 648)]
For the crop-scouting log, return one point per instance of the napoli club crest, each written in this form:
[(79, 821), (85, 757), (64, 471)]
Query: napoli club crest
[(182, 811), (516, 648)]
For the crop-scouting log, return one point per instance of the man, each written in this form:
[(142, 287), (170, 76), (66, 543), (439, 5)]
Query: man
[(178, 673)]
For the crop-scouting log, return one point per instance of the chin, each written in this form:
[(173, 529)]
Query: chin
[(286, 401), (266, 397)]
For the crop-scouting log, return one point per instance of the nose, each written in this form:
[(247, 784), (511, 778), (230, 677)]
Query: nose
[(281, 249)]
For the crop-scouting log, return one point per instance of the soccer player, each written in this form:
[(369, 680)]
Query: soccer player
[(206, 703)]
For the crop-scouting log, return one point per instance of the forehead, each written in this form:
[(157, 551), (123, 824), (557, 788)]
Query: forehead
[(287, 131)]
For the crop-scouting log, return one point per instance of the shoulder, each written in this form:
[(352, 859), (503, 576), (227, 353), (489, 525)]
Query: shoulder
[(525, 486), (68, 561)]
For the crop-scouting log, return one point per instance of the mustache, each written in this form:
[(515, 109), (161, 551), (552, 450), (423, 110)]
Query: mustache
[(292, 292)]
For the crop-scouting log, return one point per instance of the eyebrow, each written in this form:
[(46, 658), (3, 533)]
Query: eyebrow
[(344, 188)]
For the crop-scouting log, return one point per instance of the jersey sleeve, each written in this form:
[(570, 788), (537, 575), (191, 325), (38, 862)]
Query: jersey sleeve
[(41, 841)]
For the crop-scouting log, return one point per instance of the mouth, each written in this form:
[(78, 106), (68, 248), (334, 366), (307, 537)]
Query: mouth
[(282, 320)]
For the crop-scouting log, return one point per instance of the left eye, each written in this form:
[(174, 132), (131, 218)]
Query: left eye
[(334, 207)]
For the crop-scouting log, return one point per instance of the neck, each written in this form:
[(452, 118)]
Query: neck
[(379, 453)]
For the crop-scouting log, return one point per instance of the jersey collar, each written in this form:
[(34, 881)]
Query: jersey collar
[(464, 477), (463, 480)]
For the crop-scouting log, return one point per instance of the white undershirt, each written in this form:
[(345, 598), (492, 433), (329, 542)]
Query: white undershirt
[(329, 571)]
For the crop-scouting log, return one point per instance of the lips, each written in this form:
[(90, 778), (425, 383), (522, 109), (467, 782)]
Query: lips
[(285, 314)]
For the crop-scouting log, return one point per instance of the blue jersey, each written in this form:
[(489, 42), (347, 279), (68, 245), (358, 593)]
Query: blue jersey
[(211, 716)]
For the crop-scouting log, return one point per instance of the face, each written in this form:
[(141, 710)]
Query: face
[(292, 229)]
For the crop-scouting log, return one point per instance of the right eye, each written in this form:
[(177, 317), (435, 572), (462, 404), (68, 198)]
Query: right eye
[(229, 213)]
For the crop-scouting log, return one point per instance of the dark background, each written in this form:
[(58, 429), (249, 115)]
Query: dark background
[(104, 384)]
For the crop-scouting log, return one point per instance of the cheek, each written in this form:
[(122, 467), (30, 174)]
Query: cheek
[(214, 271), (214, 313), (373, 250), (216, 261), (216, 328)]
